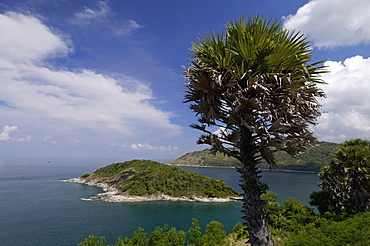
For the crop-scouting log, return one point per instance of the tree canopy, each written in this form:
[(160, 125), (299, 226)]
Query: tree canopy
[(345, 183), (255, 92), (256, 76)]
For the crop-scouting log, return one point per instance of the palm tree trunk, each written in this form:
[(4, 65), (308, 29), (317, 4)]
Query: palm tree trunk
[(255, 218)]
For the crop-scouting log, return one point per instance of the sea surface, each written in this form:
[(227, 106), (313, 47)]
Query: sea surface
[(37, 208)]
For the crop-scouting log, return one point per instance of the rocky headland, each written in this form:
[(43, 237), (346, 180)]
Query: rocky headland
[(142, 181)]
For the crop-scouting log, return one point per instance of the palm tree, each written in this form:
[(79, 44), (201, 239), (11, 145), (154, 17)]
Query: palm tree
[(345, 183), (255, 93)]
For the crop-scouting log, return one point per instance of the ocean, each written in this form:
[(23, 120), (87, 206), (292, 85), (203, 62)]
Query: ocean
[(37, 208)]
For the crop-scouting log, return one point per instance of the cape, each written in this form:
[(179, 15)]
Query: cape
[(145, 180)]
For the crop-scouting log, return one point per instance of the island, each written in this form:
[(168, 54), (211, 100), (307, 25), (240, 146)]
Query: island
[(312, 160), (145, 180)]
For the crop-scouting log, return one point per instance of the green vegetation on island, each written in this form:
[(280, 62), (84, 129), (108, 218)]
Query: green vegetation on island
[(313, 159), (145, 177)]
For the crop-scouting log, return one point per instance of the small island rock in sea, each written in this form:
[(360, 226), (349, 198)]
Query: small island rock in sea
[(145, 180)]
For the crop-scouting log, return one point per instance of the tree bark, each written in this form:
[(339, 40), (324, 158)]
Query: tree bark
[(255, 218)]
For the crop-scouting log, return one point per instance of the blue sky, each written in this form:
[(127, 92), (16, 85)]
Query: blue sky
[(94, 78)]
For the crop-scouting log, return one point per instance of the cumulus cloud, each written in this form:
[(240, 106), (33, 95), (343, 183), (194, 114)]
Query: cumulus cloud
[(32, 91), (333, 23), (346, 110), (8, 130)]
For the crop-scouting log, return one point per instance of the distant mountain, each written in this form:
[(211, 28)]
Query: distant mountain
[(312, 160), (145, 180)]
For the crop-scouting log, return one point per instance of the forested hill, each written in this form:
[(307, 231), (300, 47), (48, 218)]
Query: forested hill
[(144, 177), (312, 160)]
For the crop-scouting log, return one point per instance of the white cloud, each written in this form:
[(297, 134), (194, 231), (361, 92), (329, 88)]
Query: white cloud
[(88, 14), (332, 23), (49, 139), (347, 107), (25, 39), (127, 28), (58, 99), (147, 146), (220, 132), (8, 130), (102, 14)]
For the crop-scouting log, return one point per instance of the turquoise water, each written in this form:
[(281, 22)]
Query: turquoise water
[(285, 184), (36, 208)]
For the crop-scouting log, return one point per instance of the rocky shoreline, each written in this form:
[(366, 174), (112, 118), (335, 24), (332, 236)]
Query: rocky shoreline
[(111, 194)]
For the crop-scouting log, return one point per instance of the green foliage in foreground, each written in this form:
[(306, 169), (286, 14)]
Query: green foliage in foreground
[(315, 158), (145, 177), (352, 231), (214, 235), (295, 224), (345, 183), (290, 224)]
